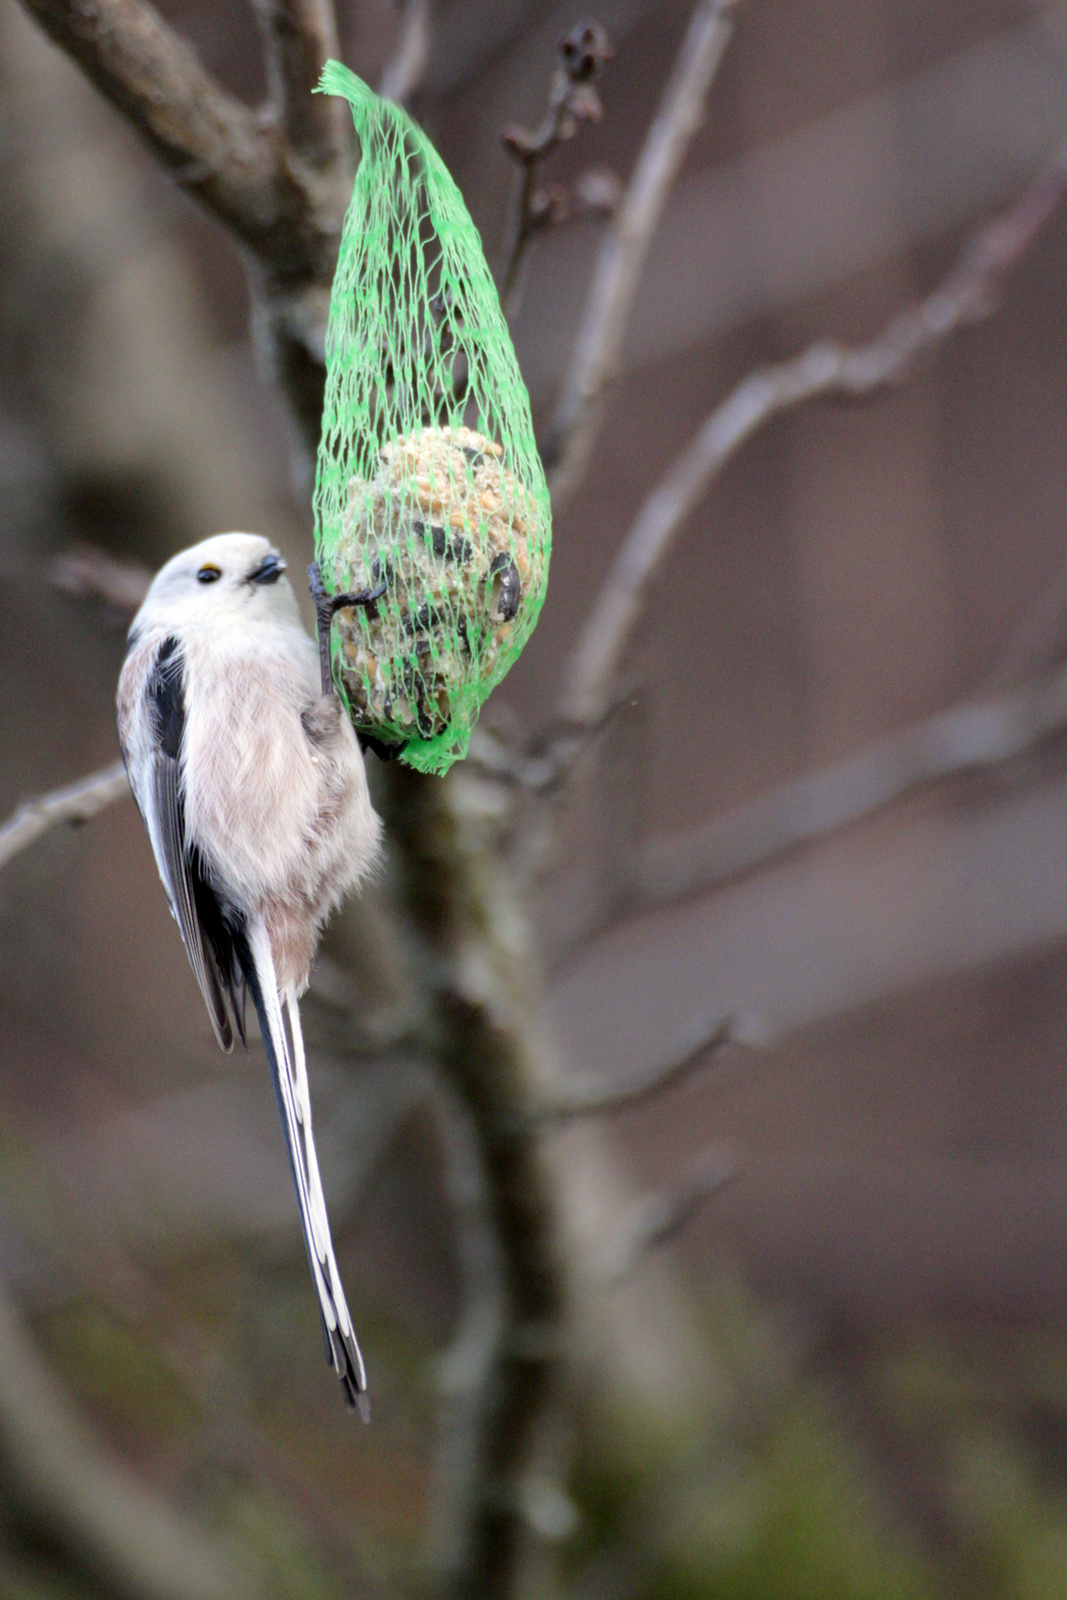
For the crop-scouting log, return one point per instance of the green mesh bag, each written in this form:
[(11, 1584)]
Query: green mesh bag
[(428, 481)]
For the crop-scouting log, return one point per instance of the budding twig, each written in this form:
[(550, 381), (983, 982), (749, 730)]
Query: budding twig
[(573, 99), (569, 442)]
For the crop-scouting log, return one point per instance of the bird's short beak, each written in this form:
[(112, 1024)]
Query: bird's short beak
[(269, 570)]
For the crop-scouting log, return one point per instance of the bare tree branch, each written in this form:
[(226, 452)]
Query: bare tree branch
[(966, 738), (286, 208), (572, 99), (217, 148), (969, 294), (77, 803), (663, 1214), (91, 574), (404, 71), (299, 37), (572, 432), (591, 1097)]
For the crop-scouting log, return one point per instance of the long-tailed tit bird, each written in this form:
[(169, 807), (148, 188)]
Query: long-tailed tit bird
[(251, 784)]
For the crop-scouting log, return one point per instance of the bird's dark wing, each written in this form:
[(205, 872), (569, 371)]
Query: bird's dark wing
[(194, 901)]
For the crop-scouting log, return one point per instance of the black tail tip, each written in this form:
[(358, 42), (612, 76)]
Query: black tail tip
[(350, 1371), (356, 1399)]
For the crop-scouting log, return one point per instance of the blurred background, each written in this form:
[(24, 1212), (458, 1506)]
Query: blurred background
[(847, 1375)]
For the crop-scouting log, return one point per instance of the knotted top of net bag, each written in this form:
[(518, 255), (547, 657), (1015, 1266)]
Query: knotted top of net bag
[(428, 484)]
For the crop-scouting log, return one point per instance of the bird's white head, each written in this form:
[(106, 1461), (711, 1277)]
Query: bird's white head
[(232, 579)]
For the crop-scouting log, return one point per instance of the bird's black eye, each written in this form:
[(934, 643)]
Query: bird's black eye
[(269, 570), (209, 574)]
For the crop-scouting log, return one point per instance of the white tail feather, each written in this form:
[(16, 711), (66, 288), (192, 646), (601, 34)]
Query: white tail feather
[(320, 1220), (291, 1083)]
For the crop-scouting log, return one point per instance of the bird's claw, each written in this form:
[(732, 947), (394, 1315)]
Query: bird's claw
[(326, 608)]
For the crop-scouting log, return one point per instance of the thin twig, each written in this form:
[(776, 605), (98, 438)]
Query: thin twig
[(660, 1216), (404, 71), (91, 574), (77, 803), (572, 99), (217, 148), (593, 1097), (967, 738), (299, 37), (569, 441), (968, 295)]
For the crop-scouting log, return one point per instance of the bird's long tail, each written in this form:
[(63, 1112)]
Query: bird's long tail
[(289, 1071)]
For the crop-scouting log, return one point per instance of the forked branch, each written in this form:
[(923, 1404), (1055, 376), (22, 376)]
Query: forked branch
[(299, 37), (217, 149)]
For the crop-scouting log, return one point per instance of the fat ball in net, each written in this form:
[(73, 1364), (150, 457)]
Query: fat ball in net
[(429, 486)]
